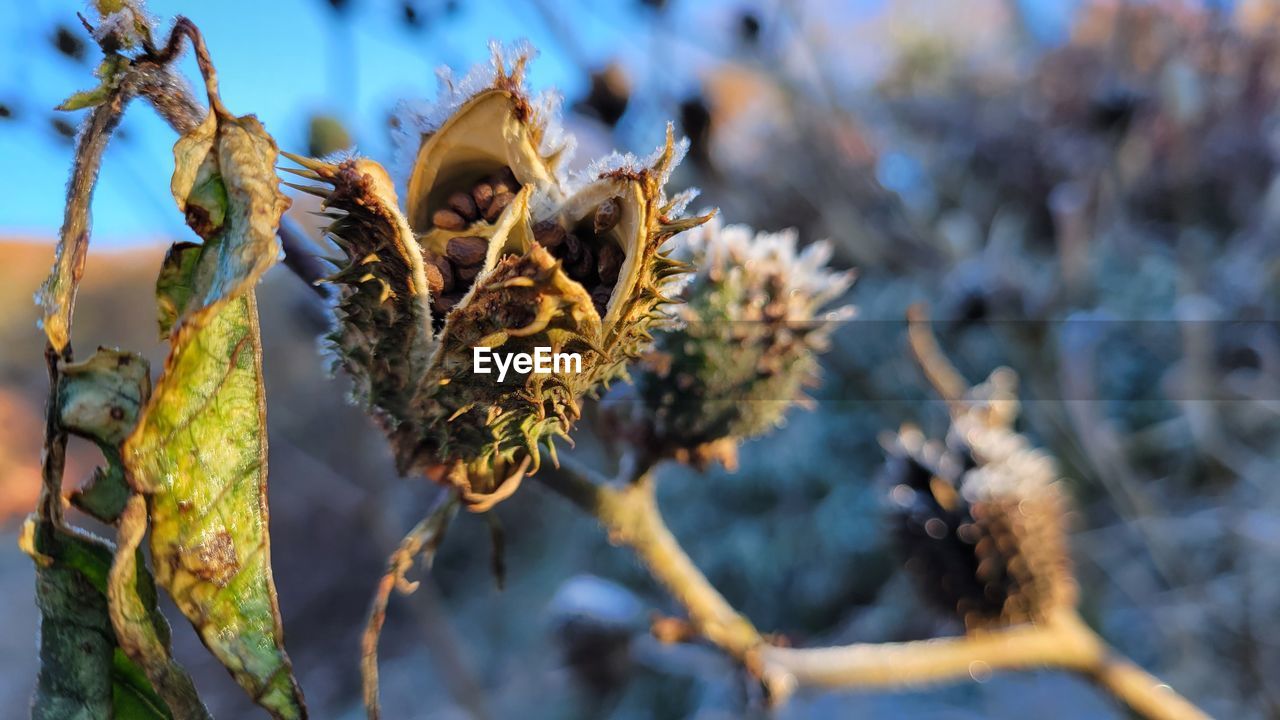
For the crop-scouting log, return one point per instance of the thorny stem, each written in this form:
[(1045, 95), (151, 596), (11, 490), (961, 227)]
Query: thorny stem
[(631, 517)]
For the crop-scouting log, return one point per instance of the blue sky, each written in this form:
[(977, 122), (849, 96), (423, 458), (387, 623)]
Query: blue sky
[(275, 58), (286, 59)]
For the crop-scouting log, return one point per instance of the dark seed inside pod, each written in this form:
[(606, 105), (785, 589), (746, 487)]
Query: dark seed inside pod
[(504, 181), (570, 249), (444, 271), (463, 204), (467, 273), (446, 219), (549, 234), (600, 299), (468, 250), (608, 213), (446, 303), (583, 267), (609, 263), (482, 194), (435, 280), (500, 203)]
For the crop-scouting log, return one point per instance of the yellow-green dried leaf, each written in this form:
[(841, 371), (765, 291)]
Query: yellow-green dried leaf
[(132, 617), (199, 454), (99, 399), (224, 180)]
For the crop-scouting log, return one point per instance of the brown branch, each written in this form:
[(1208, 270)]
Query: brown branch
[(59, 293), (629, 513), (939, 371)]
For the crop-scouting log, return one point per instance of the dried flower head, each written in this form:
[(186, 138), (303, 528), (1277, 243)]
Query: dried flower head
[(743, 346), (981, 518), (495, 249)]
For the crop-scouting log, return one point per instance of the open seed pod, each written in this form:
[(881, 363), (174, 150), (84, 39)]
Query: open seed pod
[(472, 265), (753, 325), (981, 522)]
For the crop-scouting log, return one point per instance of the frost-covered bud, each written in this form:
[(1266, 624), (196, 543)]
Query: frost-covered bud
[(495, 250), (981, 523), (744, 344)]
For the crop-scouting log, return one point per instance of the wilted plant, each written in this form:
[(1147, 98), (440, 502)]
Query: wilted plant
[(494, 247)]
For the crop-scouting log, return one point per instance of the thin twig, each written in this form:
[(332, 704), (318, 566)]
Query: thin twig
[(630, 515), (939, 371), (64, 281), (422, 540)]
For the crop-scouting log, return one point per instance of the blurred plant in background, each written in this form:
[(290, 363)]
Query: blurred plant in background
[(1096, 211)]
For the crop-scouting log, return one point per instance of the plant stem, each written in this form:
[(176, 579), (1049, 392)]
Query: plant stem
[(630, 515)]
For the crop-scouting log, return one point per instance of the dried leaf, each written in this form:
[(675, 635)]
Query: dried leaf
[(99, 399), (199, 454), (83, 674), (224, 180), (131, 600)]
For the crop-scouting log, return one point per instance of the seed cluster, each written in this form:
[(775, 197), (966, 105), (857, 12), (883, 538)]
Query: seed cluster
[(589, 255), (449, 276), (486, 199)]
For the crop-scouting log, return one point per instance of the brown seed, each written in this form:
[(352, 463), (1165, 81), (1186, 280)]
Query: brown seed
[(570, 249), (609, 263), (482, 193), (608, 213), (504, 181), (444, 269), (500, 203), (463, 204), (467, 250), (467, 273), (446, 219), (584, 266), (446, 303), (600, 299), (549, 234), (435, 280)]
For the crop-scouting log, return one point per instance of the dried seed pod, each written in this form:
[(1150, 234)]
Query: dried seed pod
[(468, 250), (446, 219), (609, 262), (607, 215), (549, 234), (500, 202), (413, 362), (463, 204), (982, 526), (710, 388)]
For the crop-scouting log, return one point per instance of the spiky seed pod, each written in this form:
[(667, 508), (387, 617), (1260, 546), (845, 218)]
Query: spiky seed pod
[(465, 269), (752, 327), (981, 522)]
